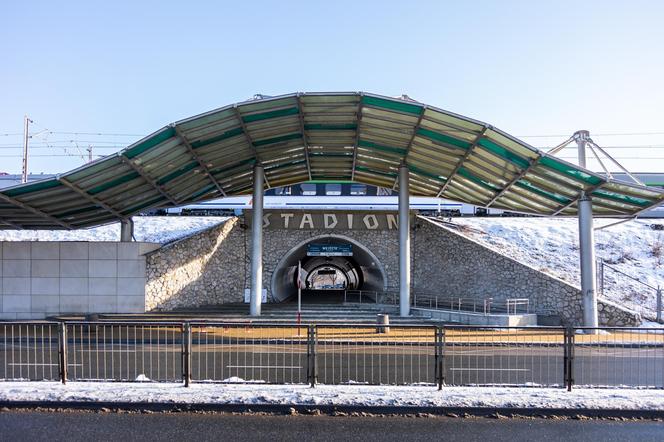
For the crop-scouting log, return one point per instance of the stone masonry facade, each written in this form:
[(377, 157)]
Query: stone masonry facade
[(450, 263), (213, 267), (206, 268)]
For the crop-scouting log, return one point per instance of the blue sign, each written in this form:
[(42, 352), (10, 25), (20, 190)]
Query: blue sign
[(329, 250)]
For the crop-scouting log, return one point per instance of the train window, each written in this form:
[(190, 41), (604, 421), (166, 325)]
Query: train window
[(282, 190), (358, 189), (308, 189), (333, 189), (382, 191)]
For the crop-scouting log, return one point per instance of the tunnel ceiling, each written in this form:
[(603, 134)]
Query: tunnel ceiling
[(299, 137)]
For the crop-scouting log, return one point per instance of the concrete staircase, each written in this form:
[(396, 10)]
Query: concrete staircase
[(277, 313)]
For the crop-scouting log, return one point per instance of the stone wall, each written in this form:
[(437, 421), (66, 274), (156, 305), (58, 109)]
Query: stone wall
[(448, 263), (206, 268), (45, 278), (213, 267), (614, 315)]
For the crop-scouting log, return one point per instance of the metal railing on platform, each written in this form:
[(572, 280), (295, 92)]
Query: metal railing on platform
[(382, 354), (487, 306)]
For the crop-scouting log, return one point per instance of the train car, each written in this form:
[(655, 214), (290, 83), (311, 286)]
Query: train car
[(331, 196), (350, 196)]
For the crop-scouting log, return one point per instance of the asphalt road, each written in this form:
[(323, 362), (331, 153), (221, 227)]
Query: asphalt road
[(337, 361), (75, 426)]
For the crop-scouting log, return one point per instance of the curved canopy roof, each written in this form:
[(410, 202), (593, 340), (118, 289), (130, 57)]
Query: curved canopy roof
[(318, 136)]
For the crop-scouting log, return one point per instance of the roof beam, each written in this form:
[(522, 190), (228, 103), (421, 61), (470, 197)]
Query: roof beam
[(36, 211), (90, 198), (590, 190), (250, 141), (360, 106), (149, 180), (509, 185), (304, 134), (197, 157), (465, 156), (11, 224), (410, 142)]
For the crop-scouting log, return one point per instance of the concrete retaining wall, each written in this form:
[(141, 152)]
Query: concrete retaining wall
[(46, 278), (468, 318)]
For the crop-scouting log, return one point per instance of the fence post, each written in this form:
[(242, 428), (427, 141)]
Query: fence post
[(439, 355), (568, 359), (311, 355), (186, 353), (62, 351)]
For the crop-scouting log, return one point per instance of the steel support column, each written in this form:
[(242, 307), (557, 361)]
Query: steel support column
[(586, 242), (587, 254), (126, 230), (581, 137), (404, 242), (257, 244)]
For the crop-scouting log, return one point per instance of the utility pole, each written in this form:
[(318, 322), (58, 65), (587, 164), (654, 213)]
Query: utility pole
[(89, 149), (26, 136)]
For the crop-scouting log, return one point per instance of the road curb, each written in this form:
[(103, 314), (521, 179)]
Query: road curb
[(332, 410)]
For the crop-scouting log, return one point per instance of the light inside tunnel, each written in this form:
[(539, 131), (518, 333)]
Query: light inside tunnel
[(361, 271), (328, 277)]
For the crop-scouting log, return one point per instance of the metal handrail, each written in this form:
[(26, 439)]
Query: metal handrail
[(658, 289), (510, 306)]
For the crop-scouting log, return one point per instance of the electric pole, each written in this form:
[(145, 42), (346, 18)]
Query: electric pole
[(89, 149), (26, 136)]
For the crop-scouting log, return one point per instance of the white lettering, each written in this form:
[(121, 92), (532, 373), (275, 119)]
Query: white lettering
[(373, 225), (350, 221), (306, 219), (286, 217), (392, 222), (327, 218), (266, 220)]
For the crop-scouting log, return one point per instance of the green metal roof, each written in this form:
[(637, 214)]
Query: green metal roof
[(301, 137)]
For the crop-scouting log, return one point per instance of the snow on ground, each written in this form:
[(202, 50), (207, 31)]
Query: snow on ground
[(552, 246), (159, 229), (336, 395)]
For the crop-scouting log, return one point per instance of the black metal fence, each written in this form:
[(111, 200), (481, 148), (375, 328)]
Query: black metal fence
[(332, 354)]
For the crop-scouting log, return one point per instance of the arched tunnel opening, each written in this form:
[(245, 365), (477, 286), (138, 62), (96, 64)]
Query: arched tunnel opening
[(325, 277)]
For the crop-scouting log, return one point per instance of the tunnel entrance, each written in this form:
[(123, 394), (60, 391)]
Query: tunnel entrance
[(329, 264)]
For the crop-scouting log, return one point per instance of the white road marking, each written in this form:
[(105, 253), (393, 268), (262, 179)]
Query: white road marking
[(489, 369), (41, 365), (291, 367)]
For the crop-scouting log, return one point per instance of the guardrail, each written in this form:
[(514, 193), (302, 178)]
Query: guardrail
[(332, 354), (487, 306)]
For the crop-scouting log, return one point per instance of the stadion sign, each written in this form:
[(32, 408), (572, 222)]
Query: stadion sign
[(327, 220)]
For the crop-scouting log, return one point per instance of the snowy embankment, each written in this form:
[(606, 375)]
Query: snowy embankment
[(552, 246), (418, 396), (158, 229)]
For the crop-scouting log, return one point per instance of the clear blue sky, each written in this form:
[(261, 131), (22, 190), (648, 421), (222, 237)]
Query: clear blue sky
[(528, 67)]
